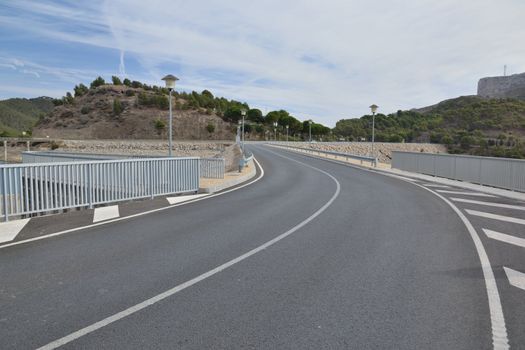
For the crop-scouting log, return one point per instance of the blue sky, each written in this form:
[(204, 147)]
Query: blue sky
[(322, 59)]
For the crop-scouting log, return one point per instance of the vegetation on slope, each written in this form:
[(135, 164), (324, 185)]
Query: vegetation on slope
[(19, 115), (470, 124)]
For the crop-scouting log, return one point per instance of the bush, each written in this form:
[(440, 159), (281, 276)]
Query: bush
[(80, 90), (54, 145), (117, 107), (160, 124), (127, 82), (130, 93), (116, 80), (97, 82), (84, 110), (210, 128)]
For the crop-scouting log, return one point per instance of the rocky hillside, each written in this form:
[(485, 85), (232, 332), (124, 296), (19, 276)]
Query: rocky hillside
[(125, 112), (21, 114)]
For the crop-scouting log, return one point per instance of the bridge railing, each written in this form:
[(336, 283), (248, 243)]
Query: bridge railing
[(212, 168), (45, 187), (371, 160), (497, 172)]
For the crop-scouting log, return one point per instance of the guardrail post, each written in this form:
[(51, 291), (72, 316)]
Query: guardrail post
[(4, 193), (151, 178), (90, 185)]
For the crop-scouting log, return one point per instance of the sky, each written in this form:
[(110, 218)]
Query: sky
[(325, 60)]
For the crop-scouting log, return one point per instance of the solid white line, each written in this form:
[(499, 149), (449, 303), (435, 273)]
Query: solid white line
[(516, 278), (488, 204), (129, 311), (499, 330), (134, 215), (105, 213), (9, 230), (474, 194), (503, 237), (181, 199), (496, 217)]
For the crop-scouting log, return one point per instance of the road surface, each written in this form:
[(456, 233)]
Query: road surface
[(313, 255)]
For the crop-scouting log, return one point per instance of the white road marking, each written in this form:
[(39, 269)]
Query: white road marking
[(436, 186), (474, 194), (489, 204), (503, 237), (136, 308), (181, 199), (516, 278), (105, 213), (9, 230), (132, 216), (405, 178), (496, 217)]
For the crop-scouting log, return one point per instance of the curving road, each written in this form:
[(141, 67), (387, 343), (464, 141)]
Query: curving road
[(313, 255)]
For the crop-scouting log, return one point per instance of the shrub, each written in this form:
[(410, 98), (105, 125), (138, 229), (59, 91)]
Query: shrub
[(160, 124), (116, 80), (130, 93), (84, 110), (97, 82), (54, 145), (80, 90), (210, 128), (117, 107)]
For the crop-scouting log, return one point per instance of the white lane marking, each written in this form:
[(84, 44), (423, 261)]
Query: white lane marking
[(134, 215), (503, 237), (500, 339), (135, 308), (9, 230), (105, 213), (405, 178), (496, 217), (516, 278), (436, 186), (489, 204), (474, 194), (181, 199)]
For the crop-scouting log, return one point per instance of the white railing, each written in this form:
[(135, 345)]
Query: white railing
[(497, 172), (212, 168), (45, 187)]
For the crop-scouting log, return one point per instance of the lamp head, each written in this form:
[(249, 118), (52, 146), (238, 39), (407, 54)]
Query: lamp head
[(373, 108), (170, 81)]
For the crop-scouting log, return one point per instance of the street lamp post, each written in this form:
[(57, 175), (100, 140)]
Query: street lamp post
[(373, 108), (310, 130), (243, 113), (170, 84), (287, 127), (275, 131)]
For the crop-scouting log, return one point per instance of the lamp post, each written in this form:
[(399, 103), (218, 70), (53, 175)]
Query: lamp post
[(373, 108), (170, 84), (287, 127), (275, 131), (310, 130), (243, 113)]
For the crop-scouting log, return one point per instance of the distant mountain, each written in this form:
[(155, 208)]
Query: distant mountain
[(21, 114), (467, 124)]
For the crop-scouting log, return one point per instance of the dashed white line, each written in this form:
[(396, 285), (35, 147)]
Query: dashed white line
[(105, 213), (436, 186), (489, 204), (474, 194), (503, 237), (516, 278), (9, 230), (136, 308), (496, 217), (181, 199)]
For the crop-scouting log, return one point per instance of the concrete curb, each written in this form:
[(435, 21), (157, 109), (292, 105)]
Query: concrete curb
[(233, 182)]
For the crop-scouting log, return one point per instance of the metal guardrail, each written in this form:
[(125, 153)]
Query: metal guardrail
[(212, 168), (372, 160), (497, 172), (45, 187)]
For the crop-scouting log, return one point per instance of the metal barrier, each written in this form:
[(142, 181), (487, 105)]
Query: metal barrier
[(372, 160), (38, 188), (212, 168), (497, 172)]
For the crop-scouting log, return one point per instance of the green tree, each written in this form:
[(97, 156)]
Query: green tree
[(117, 107), (127, 82), (116, 80), (80, 90), (97, 82)]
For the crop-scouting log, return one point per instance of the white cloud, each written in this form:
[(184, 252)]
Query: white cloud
[(322, 59)]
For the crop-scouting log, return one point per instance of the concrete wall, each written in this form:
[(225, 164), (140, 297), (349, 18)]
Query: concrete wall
[(512, 86)]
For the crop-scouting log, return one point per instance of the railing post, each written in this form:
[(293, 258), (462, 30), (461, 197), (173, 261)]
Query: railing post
[(90, 185), (4, 193), (151, 178)]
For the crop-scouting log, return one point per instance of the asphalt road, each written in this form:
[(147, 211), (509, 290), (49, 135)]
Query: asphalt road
[(318, 256)]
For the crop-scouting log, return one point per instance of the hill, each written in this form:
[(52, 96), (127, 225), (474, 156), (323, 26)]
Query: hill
[(21, 114), (468, 124)]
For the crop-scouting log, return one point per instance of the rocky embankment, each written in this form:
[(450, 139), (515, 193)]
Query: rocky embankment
[(383, 149)]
